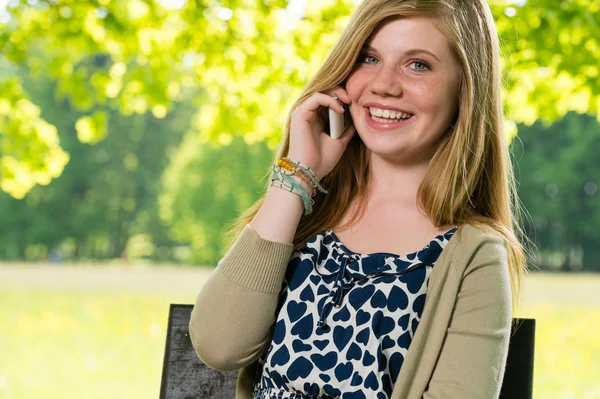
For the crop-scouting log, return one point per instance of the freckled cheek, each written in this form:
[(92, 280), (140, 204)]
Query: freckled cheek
[(429, 96), (355, 85)]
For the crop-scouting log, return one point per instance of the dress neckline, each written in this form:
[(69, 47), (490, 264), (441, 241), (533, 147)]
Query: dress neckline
[(344, 248)]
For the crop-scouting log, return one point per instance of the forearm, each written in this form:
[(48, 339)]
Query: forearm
[(278, 217)]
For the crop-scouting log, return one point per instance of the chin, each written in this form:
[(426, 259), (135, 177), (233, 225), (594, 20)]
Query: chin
[(387, 146)]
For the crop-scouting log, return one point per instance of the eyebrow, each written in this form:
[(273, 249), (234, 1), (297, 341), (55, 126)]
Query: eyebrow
[(409, 52)]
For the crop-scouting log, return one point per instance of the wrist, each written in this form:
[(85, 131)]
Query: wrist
[(304, 184)]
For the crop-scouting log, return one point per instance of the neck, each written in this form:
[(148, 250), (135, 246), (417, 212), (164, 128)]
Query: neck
[(393, 182)]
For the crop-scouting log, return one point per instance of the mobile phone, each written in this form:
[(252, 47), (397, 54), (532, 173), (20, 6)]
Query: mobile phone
[(339, 122)]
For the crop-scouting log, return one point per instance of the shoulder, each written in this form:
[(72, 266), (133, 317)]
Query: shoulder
[(474, 235), (476, 246)]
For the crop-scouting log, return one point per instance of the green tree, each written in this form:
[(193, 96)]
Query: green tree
[(105, 202), (251, 57), (558, 183)]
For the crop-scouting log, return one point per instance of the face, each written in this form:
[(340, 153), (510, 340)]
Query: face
[(404, 89)]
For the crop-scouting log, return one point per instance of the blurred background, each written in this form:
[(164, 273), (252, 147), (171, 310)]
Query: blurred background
[(133, 132)]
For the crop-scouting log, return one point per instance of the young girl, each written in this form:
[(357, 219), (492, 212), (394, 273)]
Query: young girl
[(386, 263)]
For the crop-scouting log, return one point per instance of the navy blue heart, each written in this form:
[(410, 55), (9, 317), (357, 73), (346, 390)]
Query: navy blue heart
[(354, 352), (342, 335), (297, 272), (381, 325), (304, 328), (300, 368), (315, 279), (414, 280), (358, 394), (397, 299), (343, 371), (323, 254), (279, 332), (300, 346), (311, 389), (325, 362), (418, 304), (276, 379), (396, 361), (342, 315), (371, 381), (307, 294), (378, 301), (359, 296), (403, 321), (356, 379), (363, 336), (281, 357), (413, 325), (387, 343), (362, 317), (295, 310), (368, 359), (331, 391), (325, 377), (404, 340), (388, 386), (372, 264), (322, 290), (321, 344)]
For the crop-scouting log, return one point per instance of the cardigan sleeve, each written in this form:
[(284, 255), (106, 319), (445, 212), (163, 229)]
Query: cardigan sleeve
[(473, 357), (235, 308)]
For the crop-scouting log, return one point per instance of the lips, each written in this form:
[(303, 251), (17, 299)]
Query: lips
[(385, 124), (386, 107)]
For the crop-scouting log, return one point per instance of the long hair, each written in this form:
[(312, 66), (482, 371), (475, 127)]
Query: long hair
[(470, 179)]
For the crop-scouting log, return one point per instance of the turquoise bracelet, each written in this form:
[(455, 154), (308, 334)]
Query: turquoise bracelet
[(290, 184)]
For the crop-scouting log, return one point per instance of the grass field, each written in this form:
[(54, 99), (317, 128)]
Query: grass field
[(99, 332)]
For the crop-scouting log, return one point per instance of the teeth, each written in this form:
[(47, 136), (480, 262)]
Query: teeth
[(387, 114)]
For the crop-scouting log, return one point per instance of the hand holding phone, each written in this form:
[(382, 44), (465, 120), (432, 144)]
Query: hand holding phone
[(339, 122), (308, 123)]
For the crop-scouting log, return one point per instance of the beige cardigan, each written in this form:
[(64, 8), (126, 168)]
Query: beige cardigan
[(460, 347)]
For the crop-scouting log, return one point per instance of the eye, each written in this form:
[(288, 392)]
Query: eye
[(420, 66), (366, 58)]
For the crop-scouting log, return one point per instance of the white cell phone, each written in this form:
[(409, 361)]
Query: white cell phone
[(339, 122)]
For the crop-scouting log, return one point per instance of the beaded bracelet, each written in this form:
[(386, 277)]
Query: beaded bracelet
[(291, 170), (289, 183), (295, 166)]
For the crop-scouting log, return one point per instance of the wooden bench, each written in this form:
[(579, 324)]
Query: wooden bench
[(184, 376)]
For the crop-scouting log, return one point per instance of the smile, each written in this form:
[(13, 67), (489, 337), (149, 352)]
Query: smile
[(388, 114), (376, 118)]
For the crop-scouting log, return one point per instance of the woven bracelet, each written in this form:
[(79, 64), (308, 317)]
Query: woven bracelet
[(290, 184), (296, 166)]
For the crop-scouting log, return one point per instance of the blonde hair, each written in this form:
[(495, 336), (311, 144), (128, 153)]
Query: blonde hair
[(470, 177)]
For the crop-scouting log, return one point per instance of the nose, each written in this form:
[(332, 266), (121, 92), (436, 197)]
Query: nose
[(386, 82)]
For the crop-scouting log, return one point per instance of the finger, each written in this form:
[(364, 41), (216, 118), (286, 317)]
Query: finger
[(348, 134), (321, 100), (341, 93)]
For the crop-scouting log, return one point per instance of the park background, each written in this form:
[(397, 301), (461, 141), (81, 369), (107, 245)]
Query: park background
[(132, 133)]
